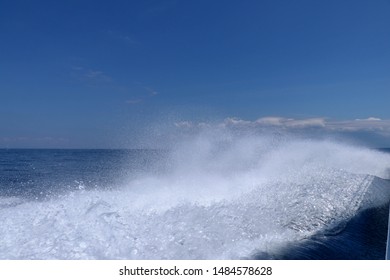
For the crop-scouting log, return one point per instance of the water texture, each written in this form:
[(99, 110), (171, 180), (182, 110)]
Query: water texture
[(215, 196)]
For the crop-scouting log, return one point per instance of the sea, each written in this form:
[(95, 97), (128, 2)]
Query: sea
[(208, 197)]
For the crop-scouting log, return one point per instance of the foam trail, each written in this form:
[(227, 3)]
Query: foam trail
[(224, 197)]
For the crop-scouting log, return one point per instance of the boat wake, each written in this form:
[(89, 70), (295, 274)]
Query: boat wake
[(229, 197)]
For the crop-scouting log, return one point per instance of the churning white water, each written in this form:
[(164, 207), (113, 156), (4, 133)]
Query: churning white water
[(221, 197)]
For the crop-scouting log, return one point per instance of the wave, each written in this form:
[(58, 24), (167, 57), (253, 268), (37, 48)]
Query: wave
[(225, 197)]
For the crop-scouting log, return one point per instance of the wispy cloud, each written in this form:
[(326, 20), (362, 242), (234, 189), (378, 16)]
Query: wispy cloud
[(371, 124), (369, 119), (151, 91), (145, 93), (120, 37), (276, 122), (90, 76), (290, 123), (136, 93), (97, 76)]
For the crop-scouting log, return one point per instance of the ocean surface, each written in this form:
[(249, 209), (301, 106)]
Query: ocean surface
[(230, 197)]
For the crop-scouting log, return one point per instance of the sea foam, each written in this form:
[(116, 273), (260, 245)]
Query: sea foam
[(222, 196)]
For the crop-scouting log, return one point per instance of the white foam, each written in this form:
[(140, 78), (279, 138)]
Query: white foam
[(226, 197)]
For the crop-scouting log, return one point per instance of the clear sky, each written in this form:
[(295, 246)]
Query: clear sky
[(96, 73)]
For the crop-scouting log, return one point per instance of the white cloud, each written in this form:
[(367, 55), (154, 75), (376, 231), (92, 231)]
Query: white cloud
[(151, 91), (371, 124), (278, 121), (235, 121), (97, 76), (90, 76), (144, 98), (369, 119)]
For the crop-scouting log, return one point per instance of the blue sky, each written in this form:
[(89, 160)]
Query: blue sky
[(97, 73)]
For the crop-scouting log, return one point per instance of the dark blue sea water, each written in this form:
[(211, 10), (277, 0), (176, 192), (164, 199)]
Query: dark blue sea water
[(43, 173), (206, 198)]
